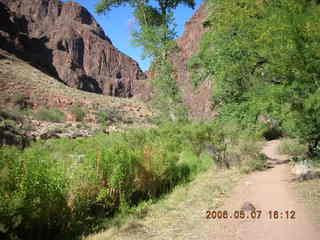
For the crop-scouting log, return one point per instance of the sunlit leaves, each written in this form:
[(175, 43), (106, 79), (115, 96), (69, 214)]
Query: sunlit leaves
[(263, 57), (107, 5), (148, 15)]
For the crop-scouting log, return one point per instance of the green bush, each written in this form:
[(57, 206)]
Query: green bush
[(257, 71), (67, 186), (102, 117), (32, 194), (64, 185), (78, 112), (50, 115), (112, 114), (254, 164)]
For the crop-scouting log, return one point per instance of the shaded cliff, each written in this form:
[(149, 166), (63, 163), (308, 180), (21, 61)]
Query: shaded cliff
[(64, 40)]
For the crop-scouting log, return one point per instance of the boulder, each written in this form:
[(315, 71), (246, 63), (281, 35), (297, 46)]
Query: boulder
[(248, 206), (12, 131)]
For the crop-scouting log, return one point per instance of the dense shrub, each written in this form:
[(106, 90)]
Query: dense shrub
[(64, 185), (262, 57)]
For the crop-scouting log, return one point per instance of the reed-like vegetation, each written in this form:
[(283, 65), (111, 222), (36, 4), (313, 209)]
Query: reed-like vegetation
[(63, 186)]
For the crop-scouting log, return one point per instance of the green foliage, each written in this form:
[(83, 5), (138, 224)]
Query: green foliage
[(240, 146), (168, 98), (78, 112), (107, 5), (272, 133), (32, 193), (254, 164), (199, 66), (64, 185), (307, 122), (109, 115), (148, 15), (262, 57), (50, 115), (157, 41)]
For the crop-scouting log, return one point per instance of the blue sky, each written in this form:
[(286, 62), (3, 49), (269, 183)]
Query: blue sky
[(118, 24)]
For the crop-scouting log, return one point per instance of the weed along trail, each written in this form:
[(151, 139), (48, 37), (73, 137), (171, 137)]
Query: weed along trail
[(277, 212)]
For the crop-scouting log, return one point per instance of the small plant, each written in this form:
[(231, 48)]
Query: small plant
[(50, 115), (78, 112), (293, 147), (112, 114), (254, 163)]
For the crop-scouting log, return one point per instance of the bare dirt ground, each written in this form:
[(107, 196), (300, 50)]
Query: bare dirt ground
[(269, 190)]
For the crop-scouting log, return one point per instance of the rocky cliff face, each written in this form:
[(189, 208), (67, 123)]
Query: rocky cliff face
[(12, 29), (198, 100), (65, 41)]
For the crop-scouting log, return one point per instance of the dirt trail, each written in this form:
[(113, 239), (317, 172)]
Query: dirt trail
[(268, 191), (182, 216)]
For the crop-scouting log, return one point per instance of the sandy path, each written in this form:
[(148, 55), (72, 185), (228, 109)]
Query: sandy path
[(267, 190)]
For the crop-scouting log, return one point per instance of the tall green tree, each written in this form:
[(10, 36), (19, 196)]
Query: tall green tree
[(263, 57), (156, 34), (157, 19)]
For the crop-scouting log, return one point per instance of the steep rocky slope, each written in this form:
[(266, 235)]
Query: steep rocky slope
[(26, 91), (64, 40), (198, 100), (20, 78)]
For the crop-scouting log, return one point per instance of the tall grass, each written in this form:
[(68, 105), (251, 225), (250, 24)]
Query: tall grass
[(65, 186)]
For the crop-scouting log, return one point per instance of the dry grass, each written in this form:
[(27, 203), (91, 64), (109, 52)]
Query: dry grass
[(292, 147), (245, 154), (309, 194), (182, 214)]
